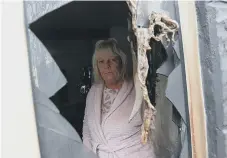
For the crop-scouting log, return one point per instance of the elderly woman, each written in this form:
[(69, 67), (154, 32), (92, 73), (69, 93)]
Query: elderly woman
[(107, 130)]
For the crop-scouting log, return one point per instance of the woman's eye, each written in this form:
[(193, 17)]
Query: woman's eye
[(114, 60), (101, 61)]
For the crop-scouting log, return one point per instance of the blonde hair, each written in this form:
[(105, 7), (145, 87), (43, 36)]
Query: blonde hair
[(111, 45)]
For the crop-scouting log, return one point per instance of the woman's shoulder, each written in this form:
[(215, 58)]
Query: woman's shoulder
[(93, 89)]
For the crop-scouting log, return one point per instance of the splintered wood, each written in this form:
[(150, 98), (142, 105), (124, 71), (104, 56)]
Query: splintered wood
[(167, 29)]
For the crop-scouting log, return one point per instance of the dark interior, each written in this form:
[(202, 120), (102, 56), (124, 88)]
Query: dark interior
[(69, 33)]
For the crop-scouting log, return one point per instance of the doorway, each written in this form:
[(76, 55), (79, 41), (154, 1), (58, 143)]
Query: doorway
[(69, 34)]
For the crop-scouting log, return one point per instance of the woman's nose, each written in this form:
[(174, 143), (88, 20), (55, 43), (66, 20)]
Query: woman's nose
[(107, 65)]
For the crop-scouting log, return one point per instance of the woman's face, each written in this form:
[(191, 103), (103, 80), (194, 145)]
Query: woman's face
[(108, 66)]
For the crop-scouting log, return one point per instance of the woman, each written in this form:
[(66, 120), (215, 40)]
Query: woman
[(107, 130)]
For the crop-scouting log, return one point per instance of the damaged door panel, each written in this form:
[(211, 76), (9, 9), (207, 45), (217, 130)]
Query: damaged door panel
[(151, 39)]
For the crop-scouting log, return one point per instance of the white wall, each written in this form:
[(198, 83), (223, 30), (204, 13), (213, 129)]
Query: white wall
[(19, 134)]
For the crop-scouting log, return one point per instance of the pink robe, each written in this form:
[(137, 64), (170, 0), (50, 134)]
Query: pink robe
[(114, 136)]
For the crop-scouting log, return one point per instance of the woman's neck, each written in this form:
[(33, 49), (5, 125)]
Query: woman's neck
[(117, 85)]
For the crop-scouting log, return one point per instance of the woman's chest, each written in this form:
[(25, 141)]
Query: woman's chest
[(116, 119)]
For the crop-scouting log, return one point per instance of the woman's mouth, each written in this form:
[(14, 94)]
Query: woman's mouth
[(107, 73)]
